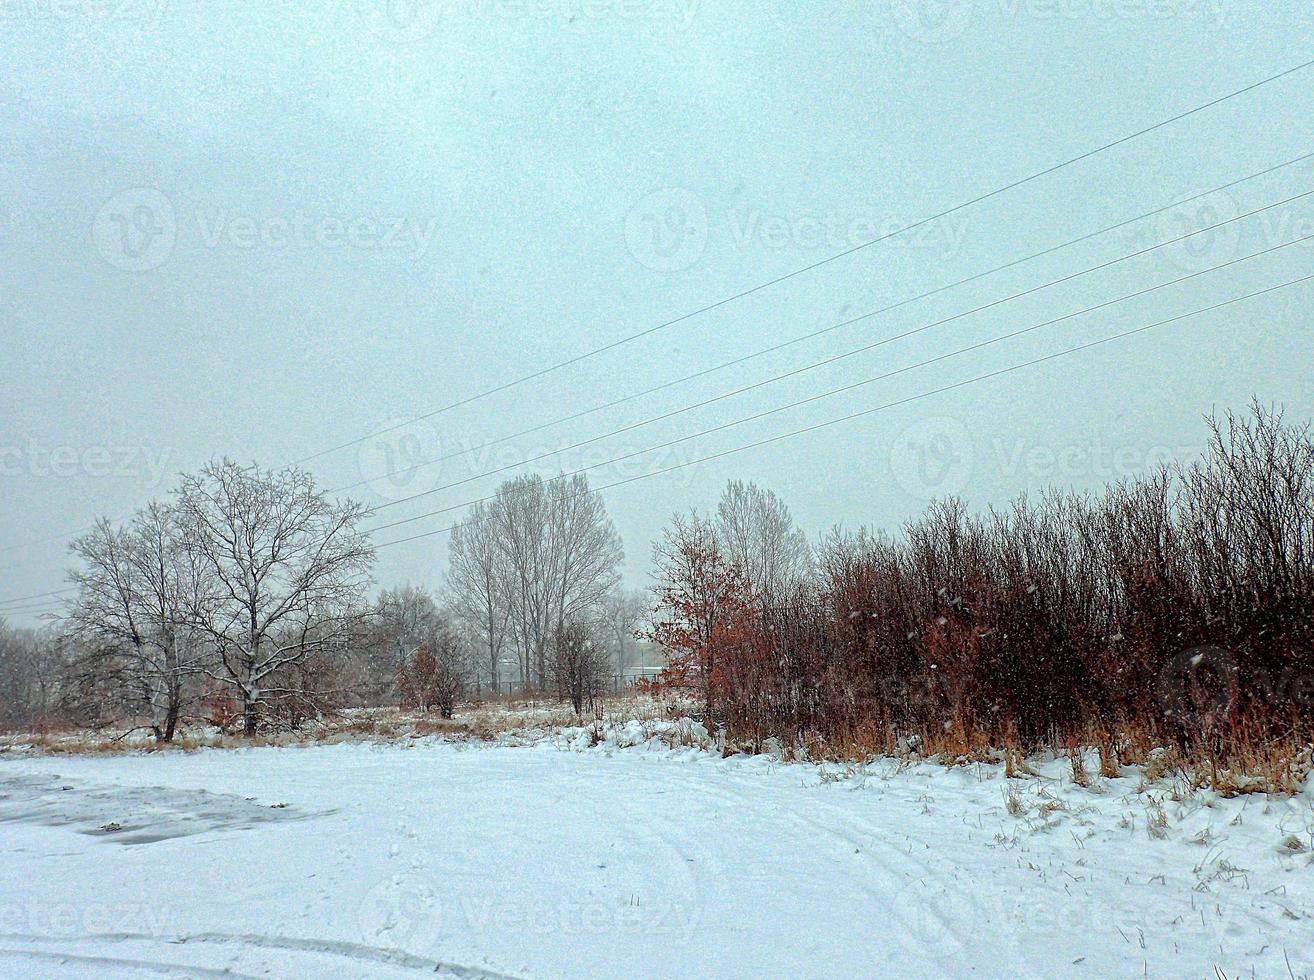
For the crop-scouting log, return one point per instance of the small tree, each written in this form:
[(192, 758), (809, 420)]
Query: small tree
[(619, 616), (579, 664), (703, 604), (30, 664), (436, 675), (403, 619)]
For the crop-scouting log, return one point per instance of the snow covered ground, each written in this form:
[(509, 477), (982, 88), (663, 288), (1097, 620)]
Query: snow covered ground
[(557, 859)]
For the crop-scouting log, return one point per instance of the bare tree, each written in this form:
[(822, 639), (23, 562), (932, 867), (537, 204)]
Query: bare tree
[(578, 664), (586, 547), (618, 616), (286, 571), (29, 676), (437, 674), (478, 580), (135, 588), (756, 531), (561, 552), (519, 520), (403, 618)]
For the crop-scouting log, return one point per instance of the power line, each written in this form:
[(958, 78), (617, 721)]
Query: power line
[(851, 353), (878, 408), (824, 262), (807, 268), (869, 411), (826, 394), (36, 609), (858, 384), (797, 272), (825, 330), (35, 595)]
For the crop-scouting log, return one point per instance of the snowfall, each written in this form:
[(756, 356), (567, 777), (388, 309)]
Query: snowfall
[(543, 855)]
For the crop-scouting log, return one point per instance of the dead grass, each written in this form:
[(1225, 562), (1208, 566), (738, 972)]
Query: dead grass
[(486, 720), (1252, 765), (1156, 820), (1079, 775), (1013, 802)]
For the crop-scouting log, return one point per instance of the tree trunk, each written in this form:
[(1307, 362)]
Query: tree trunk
[(171, 718), (250, 694), (173, 691)]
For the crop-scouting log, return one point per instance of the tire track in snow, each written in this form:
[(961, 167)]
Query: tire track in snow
[(155, 966), (930, 906), (351, 951), (639, 816), (927, 902)]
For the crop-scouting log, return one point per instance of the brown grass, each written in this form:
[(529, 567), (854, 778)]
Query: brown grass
[(1252, 764)]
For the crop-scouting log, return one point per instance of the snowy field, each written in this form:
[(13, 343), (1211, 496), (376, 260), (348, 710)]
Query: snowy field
[(556, 859)]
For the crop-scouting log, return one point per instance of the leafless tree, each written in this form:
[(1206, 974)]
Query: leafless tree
[(561, 554), (578, 664), (135, 587), (519, 520), (479, 579), (586, 545), (618, 617), (403, 618), (755, 529), (286, 572), (30, 663)]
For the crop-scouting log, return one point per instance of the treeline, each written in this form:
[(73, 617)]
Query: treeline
[(541, 556), (234, 600), (1175, 609), (242, 601)]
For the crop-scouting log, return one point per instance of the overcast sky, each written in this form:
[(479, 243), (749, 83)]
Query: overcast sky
[(265, 230)]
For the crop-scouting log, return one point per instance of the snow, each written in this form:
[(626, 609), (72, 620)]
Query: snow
[(632, 851)]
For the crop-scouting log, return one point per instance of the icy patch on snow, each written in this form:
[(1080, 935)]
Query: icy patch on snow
[(131, 814)]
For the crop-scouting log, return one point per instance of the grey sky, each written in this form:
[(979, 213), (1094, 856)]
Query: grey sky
[(353, 217)]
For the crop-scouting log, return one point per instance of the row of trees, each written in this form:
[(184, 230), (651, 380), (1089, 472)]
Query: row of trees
[(31, 663), (539, 561), (248, 579), (243, 598), (1180, 605)]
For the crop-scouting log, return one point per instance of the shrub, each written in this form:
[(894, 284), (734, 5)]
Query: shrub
[(1176, 609)]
